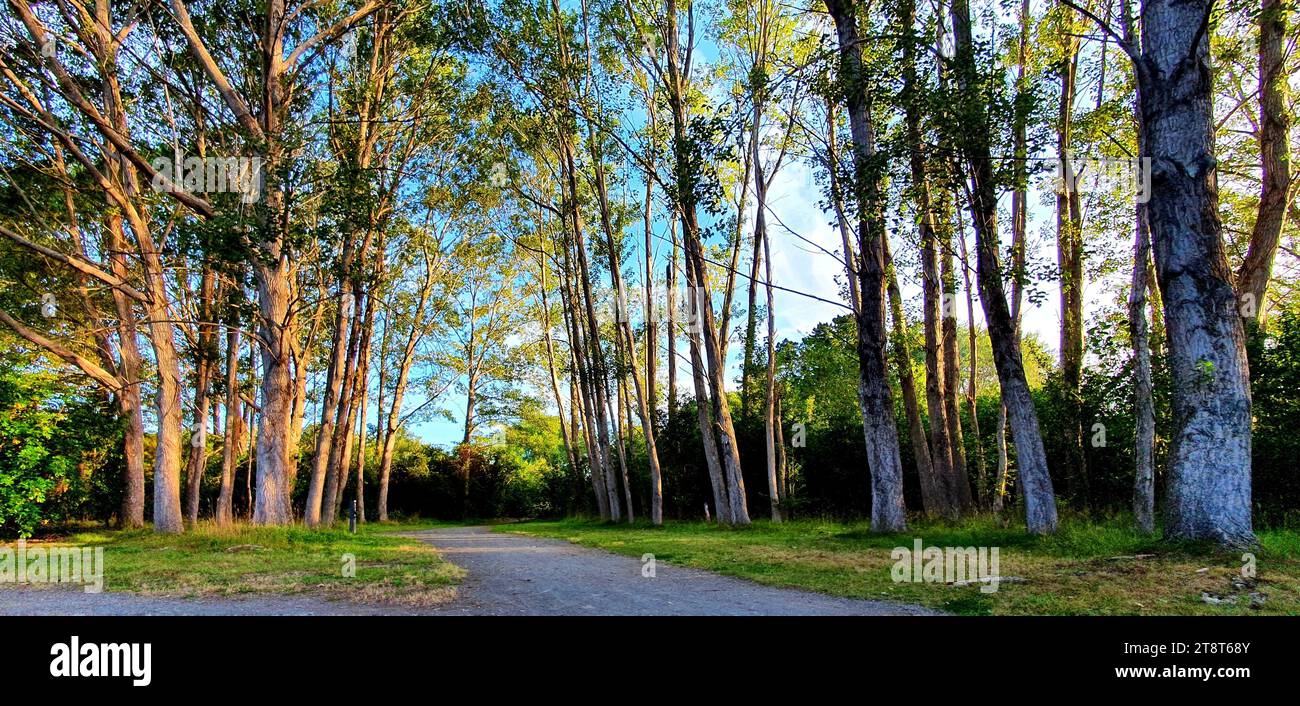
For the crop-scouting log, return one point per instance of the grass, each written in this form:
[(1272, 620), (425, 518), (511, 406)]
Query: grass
[(1087, 568), (241, 559)]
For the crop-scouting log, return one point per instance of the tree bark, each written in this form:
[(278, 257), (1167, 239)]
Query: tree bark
[(888, 513), (963, 481), (1040, 501), (951, 359), (340, 448), (334, 375), (1069, 257), (769, 405), (1275, 163), (930, 488), (1210, 453), (198, 458), (936, 496), (230, 442), (724, 431), (671, 333), (1144, 485), (1019, 223)]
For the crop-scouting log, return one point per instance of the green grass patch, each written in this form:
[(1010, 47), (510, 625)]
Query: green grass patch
[(241, 559), (1087, 568)]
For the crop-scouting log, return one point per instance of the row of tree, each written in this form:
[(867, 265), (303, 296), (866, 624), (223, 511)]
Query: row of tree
[(219, 204)]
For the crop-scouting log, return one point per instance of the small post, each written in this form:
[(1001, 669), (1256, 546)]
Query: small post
[(352, 517)]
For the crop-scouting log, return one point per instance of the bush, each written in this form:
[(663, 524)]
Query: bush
[(60, 451)]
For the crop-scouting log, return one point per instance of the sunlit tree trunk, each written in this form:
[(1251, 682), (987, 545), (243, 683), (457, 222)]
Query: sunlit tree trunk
[(907, 384), (678, 85), (887, 510), (230, 441), (1209, 488), (1069, 258), (951, 359), (198, 456), (334, 375), (935, 493), (1275, 162), (1040, 500)]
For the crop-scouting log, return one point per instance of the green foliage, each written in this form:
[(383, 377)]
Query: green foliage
[(525, 477), (58, 450), (1275, 391)]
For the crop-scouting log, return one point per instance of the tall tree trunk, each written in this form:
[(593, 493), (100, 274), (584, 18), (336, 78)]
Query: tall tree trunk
[(230, 442), (167, 455), (782, 466), (623, 433), (198, 457), (888, 513), (1144, 472), (762, 254), (1210, 452), (1069, 258), (360, 493), (273, 273), (1144, 485), (951, 359), (362, 392), (903, 361), (339, 447), (566, 433), (712, 459), (756, 260), (936, 495), (393, 420), (651, 322), (769, 404), (1275, 163), (1040, 500), (128, 398), (1019, 223), (597, 372), (671, 334), (597, 458), (623, 327), (334, 375), (723, 429), (972, 409)]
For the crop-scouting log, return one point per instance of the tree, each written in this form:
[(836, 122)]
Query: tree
[(1209, 486), (1275, 163), (1040, 500), (271, 251), (887, 510)]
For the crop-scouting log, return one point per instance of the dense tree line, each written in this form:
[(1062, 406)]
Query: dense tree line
[(271, 239)]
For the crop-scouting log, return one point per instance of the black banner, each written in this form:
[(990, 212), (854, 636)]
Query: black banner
[(529, 657)]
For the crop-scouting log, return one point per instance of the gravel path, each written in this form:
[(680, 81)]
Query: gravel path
[(508, 574), (511, 574)]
